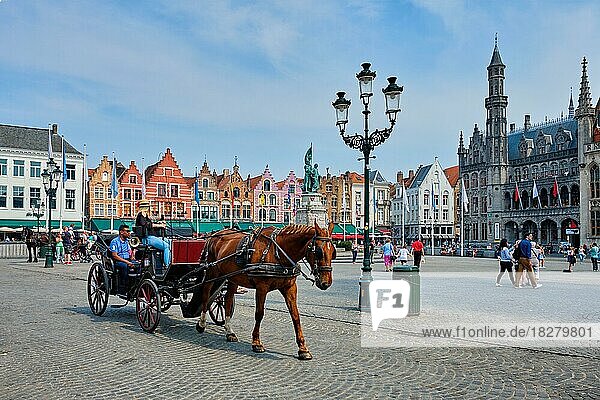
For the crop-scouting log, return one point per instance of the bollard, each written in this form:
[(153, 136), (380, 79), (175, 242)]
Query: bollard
[(412, 275)]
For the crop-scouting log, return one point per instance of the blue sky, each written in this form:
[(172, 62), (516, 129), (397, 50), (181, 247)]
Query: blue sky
[(256, 79)]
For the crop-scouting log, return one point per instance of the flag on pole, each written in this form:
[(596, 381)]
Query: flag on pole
[(143, 179), (405, 198), (518, 195), (556, 192), (64, 161), (465, 198), (86, 177), (49, 141), (535, 194), (196, 192), (114, 186)]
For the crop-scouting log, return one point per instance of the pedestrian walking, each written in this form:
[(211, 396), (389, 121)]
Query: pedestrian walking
[(594, 252), (403, 255), (524, 265), (571, 259), (581, 253), (535, 262), (542, 257), (417, 252), (388, 251), (505, 261), (354, 252), (60, 250), (68, 244)]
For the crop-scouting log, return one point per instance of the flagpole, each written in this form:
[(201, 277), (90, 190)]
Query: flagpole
[(84, 185), (403, 211), (62, 192), (462, 219), (48, 205), (344, 208), (112, 195), (197, 198)]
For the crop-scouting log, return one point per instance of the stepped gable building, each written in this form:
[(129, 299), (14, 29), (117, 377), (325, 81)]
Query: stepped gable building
[(453, 175), (100, 201), (208, 192), (499, 168), (168, 190), (130, 191), (290, 190), (268, 199), (333, 188), (235, 189)]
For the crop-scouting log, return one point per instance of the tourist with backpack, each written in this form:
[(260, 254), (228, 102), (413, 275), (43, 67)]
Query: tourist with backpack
[(505, 259)]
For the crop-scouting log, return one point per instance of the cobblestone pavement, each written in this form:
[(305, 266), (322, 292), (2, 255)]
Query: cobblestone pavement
[(52, 347)]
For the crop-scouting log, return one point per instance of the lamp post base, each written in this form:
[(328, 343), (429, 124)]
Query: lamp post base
[(364, 304), (49, 263)]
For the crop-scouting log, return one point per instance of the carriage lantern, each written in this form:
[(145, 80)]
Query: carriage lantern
[(50, 178), (366, 142)]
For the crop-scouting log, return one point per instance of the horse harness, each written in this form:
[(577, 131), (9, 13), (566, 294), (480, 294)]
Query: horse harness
[(285, 267)]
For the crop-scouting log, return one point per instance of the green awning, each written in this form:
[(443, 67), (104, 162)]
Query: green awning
[(205, 227), (101, 224), (18, 223)]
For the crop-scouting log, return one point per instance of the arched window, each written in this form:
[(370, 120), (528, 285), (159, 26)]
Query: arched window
[(465, 180), (267, 186), (105, 176), (236, 193), (554, 169), (204, 183), (262, 214), (445, 198), (272, 215), (483, 179), (575, 195), (525, 173), (535, 170), (564, 168), (544, 197), (474, 180), (272, 200), (544, 170), (564, 196), (525, 199), (517, 175), (426, 198), (507, 201), (595, 182)]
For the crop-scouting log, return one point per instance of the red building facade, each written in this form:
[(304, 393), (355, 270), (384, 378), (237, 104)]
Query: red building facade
[(130, 190)]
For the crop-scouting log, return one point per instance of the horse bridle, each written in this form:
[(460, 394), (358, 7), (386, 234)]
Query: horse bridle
[(317, 252)]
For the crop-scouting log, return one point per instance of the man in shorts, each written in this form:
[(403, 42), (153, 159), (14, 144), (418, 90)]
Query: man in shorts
[(525, 262)]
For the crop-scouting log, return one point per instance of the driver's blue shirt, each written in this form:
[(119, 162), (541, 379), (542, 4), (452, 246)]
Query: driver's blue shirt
[(120, 247)]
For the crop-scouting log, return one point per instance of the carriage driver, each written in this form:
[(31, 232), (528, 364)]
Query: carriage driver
[(122, 254), (143, 229)]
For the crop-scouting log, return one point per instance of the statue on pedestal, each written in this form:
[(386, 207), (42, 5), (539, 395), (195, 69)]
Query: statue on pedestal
[(311, 174)]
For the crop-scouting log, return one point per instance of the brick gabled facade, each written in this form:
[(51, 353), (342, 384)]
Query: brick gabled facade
[(130, 191), (168, 190), (232, 185), (270, 208), (291, 192)]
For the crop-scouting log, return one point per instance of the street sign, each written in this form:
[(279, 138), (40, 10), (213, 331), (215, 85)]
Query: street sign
[(570, 231)]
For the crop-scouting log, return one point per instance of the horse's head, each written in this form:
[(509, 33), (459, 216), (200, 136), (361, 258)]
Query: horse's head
[(319, 254)]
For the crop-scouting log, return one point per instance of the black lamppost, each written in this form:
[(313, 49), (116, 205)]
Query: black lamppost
[(366, 143), (50, 177), (37, 212)]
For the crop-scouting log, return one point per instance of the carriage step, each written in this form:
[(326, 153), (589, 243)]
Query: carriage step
[(118, 305)]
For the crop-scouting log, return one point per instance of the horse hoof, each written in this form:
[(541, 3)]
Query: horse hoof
[(231, 337), (258, 348), (199, 328), (304, 355)]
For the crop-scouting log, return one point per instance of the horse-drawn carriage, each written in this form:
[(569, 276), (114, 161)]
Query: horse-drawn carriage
[(152, 286), (205, 273)]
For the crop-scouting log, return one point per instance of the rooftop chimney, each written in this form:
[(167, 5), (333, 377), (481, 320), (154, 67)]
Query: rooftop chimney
[(55, 129), (527, 122), (411, 174), (399, 177), (512, 127)]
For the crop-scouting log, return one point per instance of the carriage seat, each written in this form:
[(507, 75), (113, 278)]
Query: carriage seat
[(187, 251)]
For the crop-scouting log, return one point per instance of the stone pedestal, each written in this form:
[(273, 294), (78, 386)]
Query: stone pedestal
[(311, 210)]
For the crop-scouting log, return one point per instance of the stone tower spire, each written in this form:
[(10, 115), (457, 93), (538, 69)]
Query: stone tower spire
[(496, 104), (571, 107), (585, 96)]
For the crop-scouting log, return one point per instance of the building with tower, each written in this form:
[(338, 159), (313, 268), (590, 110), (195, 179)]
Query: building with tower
[(527, 179)]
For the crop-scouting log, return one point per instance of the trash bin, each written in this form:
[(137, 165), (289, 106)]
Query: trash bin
[(44, 249), (413, 277)]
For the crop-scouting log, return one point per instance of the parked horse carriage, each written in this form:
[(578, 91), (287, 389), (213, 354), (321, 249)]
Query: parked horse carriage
[(210, 270)]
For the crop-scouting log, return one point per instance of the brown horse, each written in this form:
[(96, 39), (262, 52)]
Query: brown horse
[(279, 250)]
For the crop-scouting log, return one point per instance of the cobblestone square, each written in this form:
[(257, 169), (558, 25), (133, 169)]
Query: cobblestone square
[(52, 347)]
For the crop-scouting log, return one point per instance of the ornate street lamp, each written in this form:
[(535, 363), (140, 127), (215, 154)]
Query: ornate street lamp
[(366, 143), (50, 177)]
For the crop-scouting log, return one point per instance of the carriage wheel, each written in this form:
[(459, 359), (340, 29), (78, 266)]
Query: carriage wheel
[(217, 307), (147, 305), (97, 289), (98, 254), (75, 255)]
